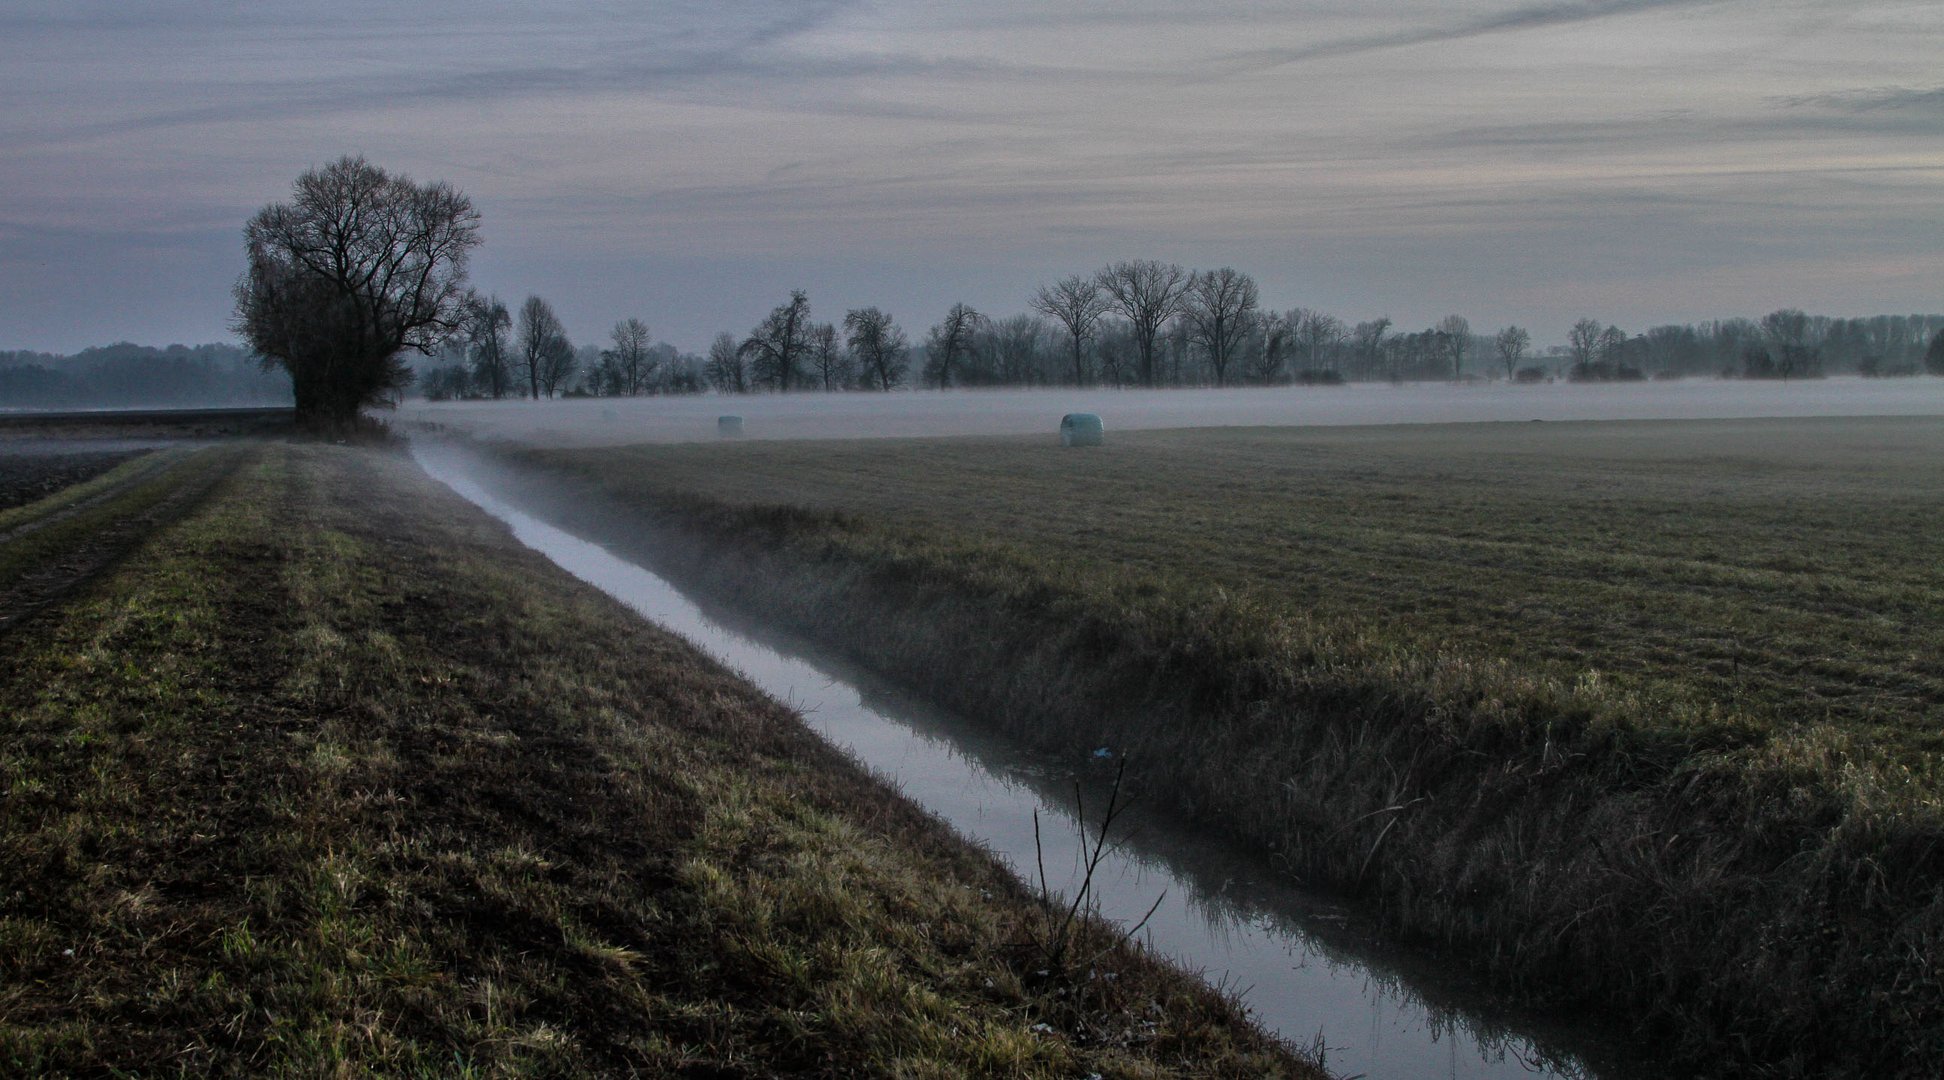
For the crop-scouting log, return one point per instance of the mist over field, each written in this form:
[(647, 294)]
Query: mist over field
[(612, 421)]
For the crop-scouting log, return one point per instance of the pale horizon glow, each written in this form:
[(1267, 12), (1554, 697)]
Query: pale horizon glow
[(1635, 161), (990, 412)]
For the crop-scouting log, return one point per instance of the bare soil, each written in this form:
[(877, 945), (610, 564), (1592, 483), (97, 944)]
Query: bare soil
[(51, 553), (30, 477)]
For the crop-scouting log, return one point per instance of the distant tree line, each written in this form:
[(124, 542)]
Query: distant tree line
[(357, 289), (496, 354), (131, 376), (1784, 344), (1148, 323)]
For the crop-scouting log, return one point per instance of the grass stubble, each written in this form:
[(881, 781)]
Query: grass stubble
[(1645, 716), (333, 777)]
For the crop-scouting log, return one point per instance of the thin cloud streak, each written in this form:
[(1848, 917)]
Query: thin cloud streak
[(1530, 17), (693, 78), (1873, 99)]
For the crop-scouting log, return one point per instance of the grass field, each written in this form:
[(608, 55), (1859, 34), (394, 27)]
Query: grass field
[(1793, 570), (329, 776), (1645, 713)]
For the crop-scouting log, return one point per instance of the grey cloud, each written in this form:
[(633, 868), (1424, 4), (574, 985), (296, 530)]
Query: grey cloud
[(1871, 99), (689, 76), (1687, 128), (1528, 17)]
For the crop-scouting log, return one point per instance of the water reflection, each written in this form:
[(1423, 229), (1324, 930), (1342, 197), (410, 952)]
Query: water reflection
[(1309, 968)]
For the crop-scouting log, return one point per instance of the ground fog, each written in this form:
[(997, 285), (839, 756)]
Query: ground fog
[(611, 421)]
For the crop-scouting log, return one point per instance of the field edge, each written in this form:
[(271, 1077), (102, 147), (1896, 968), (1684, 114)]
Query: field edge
[(1748, 902)]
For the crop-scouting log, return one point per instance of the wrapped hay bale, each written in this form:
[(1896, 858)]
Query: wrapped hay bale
[(1080, 429)]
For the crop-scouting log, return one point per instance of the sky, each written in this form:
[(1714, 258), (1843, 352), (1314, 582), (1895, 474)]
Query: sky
[(689, 163)]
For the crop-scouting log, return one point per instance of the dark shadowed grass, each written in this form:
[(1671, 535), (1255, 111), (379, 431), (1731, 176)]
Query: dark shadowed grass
[(1644, 715), (333, 777), (29, 477)]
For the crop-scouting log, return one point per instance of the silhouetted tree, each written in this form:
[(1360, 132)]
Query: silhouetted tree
[(949, 341), (357, 268), (778, 346), (487, 325), (1149, 294), (1014, 345), (1077, 304), (1369, 341), (1667, 345), (879, 346), (1583, 343), (1221, 310), (828, 358), (1789, 331), (631, 362), (1317, 336), (545, 355), (1612, 341), (1934, 357), (1457, 341), (446, 382), (726, 369), (1511, 343), (1266, 362)]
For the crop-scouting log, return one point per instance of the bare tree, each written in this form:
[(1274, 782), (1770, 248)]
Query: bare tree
[(828, 358), (545, 355), (1114, 347), (1457, 332), (1172, 351), (776, 348), (1512, 343), (1613, 341), (1077, 304), (632, 359), (1278, 331), (1787, 328), (1934, 356), (879, 346), (359, 267), (1369, 340), (1015, 344), (1149, 294), (1732, 339), (1317, 335), (487, 325), (950, 340), (1790, 330), (726, 369), (1667, 343), (1221, 310), (1583, 343)]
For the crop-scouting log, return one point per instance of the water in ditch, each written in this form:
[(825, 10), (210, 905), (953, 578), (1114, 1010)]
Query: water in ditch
[(1309, 968)]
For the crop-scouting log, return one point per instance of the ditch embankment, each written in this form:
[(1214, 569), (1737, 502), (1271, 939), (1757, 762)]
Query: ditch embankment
[(328, 775), (1752, 904)]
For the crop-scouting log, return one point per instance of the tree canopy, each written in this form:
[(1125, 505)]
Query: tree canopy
[(359, 267)]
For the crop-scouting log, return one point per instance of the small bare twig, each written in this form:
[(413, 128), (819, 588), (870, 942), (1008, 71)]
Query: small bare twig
[(1060, 931)]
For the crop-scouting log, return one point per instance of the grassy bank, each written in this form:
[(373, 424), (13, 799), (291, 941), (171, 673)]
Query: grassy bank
[(1643, 714), (331, 777)]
